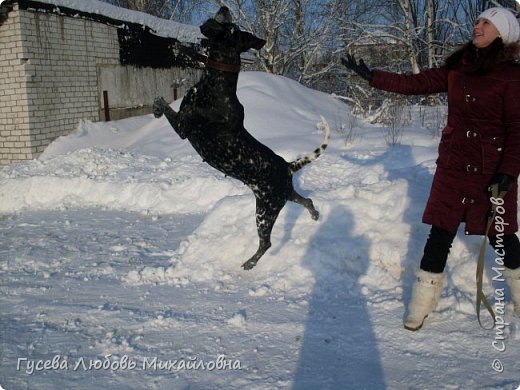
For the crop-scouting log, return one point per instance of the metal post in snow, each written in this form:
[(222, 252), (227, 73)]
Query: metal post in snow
[(106, 106)]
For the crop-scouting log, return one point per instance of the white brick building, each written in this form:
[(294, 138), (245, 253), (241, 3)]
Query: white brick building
[(59, 65)]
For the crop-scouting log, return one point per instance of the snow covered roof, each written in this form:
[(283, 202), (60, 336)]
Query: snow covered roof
[(110, 14)]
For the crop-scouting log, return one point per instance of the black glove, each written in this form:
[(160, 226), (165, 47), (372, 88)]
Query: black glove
[(361, 69), (504, 182)]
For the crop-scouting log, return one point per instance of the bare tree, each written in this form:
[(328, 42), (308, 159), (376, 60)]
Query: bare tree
[(297, 33), (408, 30)]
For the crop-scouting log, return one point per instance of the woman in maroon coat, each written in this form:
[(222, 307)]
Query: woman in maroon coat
[(480, 146)]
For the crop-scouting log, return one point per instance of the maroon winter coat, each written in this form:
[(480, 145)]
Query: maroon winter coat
[(482, 137)]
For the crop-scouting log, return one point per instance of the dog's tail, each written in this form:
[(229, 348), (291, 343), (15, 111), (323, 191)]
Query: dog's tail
[(301, 162)]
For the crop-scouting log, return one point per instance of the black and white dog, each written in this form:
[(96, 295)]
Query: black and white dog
[(212, 119)]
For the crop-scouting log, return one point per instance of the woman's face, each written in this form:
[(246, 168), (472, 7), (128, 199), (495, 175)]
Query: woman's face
[(484, 32)]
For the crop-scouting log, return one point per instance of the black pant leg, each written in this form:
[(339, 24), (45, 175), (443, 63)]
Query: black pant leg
[(436, 250), (509, 245)]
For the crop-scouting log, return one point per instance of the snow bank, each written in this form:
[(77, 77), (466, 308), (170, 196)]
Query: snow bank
[(140, 164)]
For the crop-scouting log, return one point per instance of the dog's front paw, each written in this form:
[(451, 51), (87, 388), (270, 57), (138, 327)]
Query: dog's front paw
[(159, 106)]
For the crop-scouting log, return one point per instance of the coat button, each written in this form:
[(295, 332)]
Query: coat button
[(471, 169), (468, 201)]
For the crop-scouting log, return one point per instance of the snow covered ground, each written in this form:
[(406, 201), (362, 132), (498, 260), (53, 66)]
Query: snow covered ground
[(121, 250)]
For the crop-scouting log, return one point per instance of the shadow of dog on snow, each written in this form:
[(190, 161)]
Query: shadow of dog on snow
[(212, 119)]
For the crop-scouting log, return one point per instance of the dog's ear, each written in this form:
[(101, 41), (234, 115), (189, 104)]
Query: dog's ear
[(249, 41), (217, 27), (224, 16), (212, 29)]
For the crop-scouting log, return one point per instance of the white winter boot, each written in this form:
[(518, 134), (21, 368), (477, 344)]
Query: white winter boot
[(513, 281), (426, 292)]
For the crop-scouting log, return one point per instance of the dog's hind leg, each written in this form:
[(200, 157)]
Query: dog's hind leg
[(266, 214), (305, 202)]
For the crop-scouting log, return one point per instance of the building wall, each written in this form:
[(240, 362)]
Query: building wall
[(53, 71), (131, 90), (61, 58), (15, 139)]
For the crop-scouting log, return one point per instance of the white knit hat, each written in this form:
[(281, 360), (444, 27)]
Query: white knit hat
[(505, 22)]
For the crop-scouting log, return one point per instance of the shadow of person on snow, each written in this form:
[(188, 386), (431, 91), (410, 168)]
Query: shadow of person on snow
[(400, 164), (339, 349)]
